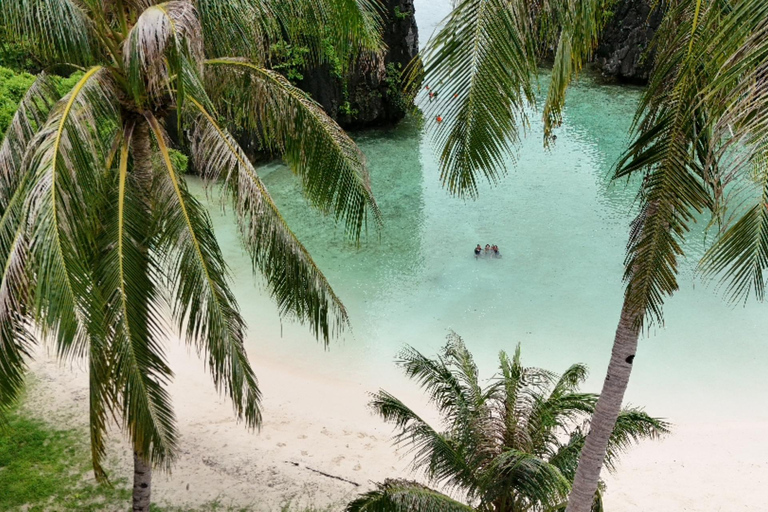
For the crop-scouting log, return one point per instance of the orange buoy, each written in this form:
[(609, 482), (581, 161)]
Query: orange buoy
[(439, 119)]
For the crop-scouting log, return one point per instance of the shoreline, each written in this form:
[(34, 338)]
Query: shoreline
[(318, 436)]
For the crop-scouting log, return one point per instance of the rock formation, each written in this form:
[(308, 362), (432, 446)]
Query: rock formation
[(623, 52), (371, 94)]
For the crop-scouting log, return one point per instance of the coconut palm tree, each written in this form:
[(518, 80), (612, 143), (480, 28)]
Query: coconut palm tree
[(509, 446), (103, 248), (699, 125)]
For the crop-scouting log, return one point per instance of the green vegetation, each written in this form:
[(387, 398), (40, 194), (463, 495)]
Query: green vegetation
[(699, 137), (97, 225), (400, 15), (511, 445), (13, 86), (395, 88), (289, 59), (45, 469)]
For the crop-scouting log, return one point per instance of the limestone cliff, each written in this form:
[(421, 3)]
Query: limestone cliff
[(623, 52), (370, 95)]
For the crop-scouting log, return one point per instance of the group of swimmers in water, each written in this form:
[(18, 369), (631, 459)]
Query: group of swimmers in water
[(490, 251)]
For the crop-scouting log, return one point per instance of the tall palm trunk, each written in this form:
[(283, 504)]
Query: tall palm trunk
[(142, 484), (142, 472), (606, 412)]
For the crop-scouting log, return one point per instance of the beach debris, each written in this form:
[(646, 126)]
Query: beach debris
[(323, 473)]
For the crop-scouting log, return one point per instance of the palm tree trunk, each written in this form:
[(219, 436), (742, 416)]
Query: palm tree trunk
[(142, 472), (606, 412), (142, 484)]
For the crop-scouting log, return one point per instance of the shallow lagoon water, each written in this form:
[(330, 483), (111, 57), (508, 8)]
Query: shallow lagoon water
[(561, 225)]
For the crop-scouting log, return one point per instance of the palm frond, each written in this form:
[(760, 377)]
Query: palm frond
[(296, 283), (331, 167), (136, 366), (15, 286), (202, 298), (30, 117), (740, 254), (444, 460), (66, 162), (678, 184), (445, 388), (632, 426), (516, 476), (405, 496), (58, 30), (152, 53), (15, 340), (580, 25), (238, 28), (483, 61), (523, 388)]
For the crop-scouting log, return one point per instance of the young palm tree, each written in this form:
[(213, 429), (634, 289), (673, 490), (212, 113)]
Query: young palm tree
[(509, 446), (101, 243), (700, 124)]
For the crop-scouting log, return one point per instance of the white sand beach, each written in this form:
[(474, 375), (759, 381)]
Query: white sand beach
[(316, 425)]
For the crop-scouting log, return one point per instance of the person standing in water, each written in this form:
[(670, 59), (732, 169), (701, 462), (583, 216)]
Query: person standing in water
[(495, 250), (487, 249), (478, 250)]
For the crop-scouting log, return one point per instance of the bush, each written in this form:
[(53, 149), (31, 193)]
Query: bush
[(13, 85)]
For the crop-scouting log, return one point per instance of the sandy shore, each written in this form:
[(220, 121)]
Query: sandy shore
[(315, 425)]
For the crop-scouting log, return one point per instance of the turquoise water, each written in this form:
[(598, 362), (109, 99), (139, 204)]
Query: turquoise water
[(561, 226)]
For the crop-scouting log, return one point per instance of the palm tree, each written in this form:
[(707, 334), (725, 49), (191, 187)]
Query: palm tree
[(509, 446), (102, 247), (700, 124)]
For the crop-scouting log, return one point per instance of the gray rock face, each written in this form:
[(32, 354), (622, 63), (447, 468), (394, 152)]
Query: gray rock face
[(623, 52), (370, 95)]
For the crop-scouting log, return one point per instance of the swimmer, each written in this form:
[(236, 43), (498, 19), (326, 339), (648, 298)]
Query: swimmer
[(495, 249), (487, 249), (478, 250)]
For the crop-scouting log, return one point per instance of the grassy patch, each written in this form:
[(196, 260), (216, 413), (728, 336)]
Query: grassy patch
[(48, 469), (45, 469)]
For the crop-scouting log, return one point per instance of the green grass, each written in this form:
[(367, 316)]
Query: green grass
[(48, 469)]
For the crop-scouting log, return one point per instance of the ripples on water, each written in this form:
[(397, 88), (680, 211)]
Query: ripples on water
[(561, 226)]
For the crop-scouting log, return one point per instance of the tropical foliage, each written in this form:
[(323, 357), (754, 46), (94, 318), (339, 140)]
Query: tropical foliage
[(103, 249), (511, 445), (699, 128)]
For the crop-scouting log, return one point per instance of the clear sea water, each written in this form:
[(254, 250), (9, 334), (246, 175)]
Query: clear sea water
[(561, 225)]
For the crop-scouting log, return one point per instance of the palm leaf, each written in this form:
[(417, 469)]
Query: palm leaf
[(485, 60), (58, 30), (405, 496), (66, 159), (296, 283), (15, 341), (241, 28), (515, 476), (740, 254), (678, 184), (30, 116), (331, 167), (202, 299), (632, 426), (353, 27), (581, 22), (153, 49), (15, 286), (128, 278), (443, 459)]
